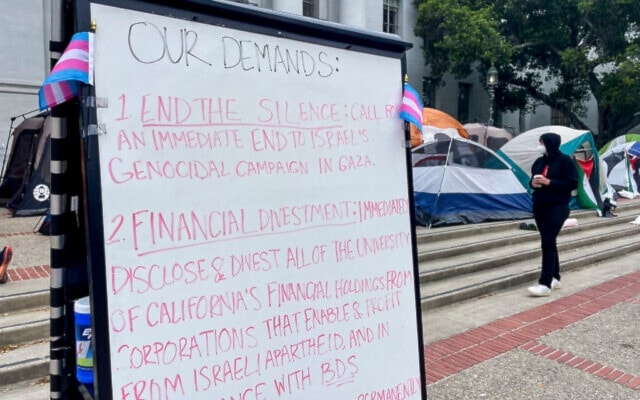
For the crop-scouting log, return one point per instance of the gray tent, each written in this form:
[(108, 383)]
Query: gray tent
[(26, 182)]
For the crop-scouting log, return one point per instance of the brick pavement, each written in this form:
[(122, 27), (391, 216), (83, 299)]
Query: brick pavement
[(449, 356)]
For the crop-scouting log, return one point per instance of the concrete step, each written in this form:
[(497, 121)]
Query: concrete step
[(467, 286), (463, 262), (24, 301), (507, 235), (37, 389), (24, 345), (24, 339), (497, 252), (24, 362), (459, 232), (446, 233), (24, 326), (24, 295)]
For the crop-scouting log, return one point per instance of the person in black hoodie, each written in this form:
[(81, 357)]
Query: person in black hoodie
[(554, 177)]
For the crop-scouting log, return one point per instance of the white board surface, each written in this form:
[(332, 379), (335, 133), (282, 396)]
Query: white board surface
[(256, 215)]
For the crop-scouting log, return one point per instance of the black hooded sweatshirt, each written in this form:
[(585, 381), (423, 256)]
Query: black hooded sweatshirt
[(559, 168)]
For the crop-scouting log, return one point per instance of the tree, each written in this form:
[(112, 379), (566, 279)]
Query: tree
[(558, 53)]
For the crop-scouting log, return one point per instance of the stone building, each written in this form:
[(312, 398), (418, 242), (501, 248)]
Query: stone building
[(26, 25), (25, 58)]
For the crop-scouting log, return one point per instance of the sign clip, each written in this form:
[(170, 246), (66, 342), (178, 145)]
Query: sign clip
[(102, 102), (95, 129)]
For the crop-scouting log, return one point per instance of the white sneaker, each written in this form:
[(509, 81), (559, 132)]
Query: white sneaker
[(555, 284), (539, 290)]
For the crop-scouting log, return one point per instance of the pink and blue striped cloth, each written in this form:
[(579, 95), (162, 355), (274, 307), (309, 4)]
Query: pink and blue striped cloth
[(411, 108), (74, 67)]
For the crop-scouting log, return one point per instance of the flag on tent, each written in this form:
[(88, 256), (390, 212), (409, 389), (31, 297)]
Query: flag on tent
[(411, 108), (74, 67)]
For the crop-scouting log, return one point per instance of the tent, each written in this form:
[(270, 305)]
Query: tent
[(622, 163), (489, 136), (622, 139), (436, 121), (458, 181), (520, 153), (25, 184), (622, 176)]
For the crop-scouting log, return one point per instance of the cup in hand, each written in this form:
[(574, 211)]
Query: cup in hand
[(536, 185)]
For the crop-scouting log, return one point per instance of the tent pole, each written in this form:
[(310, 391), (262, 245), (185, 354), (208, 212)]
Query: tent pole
[(444, 173), (486, 132), (6, 149)]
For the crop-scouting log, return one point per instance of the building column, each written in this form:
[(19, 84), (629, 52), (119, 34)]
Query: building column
[(362, 14), (354, 13), (288, 6)]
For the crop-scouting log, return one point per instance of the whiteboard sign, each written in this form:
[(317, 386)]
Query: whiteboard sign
[(256, 217)]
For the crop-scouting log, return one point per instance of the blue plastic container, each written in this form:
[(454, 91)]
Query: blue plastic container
[(84, 349)]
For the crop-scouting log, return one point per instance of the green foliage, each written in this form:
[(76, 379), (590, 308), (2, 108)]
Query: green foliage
[(444, 24), (559, 53), (620, 90)]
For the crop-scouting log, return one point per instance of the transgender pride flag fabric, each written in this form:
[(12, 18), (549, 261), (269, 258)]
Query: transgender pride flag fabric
[(411, 108), (74, 68)]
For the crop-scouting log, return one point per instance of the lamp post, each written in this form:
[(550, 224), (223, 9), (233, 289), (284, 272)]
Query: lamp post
[(492, 82)]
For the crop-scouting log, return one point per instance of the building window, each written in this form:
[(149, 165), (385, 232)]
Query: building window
[(558, 118), (428, 92), (464, 90), (390, 16), (310, 8)]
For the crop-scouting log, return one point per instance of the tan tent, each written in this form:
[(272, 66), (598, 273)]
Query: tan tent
[(489, 136)]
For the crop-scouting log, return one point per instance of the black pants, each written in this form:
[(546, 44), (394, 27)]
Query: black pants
[(549, 220)]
